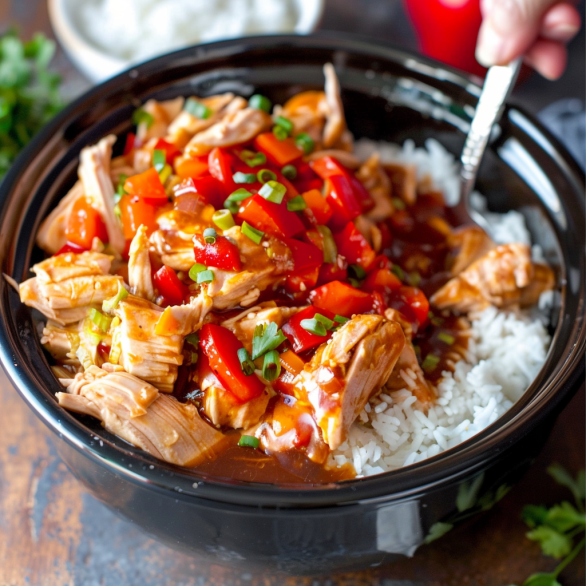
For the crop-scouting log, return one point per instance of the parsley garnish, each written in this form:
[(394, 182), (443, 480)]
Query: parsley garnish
[(266, 337), (557, 527)]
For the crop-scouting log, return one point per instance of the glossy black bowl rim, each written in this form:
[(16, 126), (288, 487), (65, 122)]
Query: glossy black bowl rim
[(138, 467)]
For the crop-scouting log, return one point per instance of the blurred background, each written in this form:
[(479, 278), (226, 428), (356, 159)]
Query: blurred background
[(53, 533)]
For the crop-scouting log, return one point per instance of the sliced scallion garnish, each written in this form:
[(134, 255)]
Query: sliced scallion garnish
[(313, 326), (284, 123), (273, 191), (266, 175), (112, 303), (296, 204), (430, 362), (322, 319), (248, 441), (253, 159), (246, 364), (210, 236), (398, 204), (100, 320), (260, 103), (240, 177), (195, 270), (444, 337), (192, 339), (197, 109), (206, 276), (304, 142), (165, 173), (330, 248), (280, 133), (398, 272), (341, 319), (356, 271), (271, 368), (252, 233), (223, 219), (141, 116), (289, 171), (159, 160)]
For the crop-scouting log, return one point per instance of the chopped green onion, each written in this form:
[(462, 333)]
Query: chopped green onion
[(357, 272), (195, 270), (304, 142), (223, 219), (280, 133), (354, 282), (273, 191), (99, 319), (259, 102), (165, 173), (436, 321), (296, 204), (159, 160), (253, 159), (246, 364), (192, 339), (239, 177), (112, 303), (430, 362), (446, 338), (210, 235), (314, 327), (94, 337), (118, 212), (205, 277), (197, 109), (120, 193), (271, 368), (341, 319), (322, 319), (414, 278), (289, 171), (398, 272), (252, 233), (285, 124), (330, 248), (193, 358), (266, 175), (398, 203), (141, 116), (239, 195), (248, 441)]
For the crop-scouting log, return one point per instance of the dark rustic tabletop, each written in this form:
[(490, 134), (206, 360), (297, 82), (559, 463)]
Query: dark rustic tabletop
[(53, 533)]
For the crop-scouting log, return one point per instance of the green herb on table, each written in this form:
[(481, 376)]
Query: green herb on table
[(558, 529), (29, 92)]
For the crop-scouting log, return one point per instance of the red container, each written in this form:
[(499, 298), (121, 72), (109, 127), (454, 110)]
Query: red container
[(447, 31)]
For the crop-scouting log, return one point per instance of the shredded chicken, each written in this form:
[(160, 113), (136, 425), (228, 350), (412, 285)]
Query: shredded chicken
[(362, 354), (403, 181), (187, 318), (62, 341), (163, 114), (377, 182), (307, 111), (51, 236), (500, 278), (468, 244), (222, 409), (94, 172), (135, 411), (335, 132), (139, 266)]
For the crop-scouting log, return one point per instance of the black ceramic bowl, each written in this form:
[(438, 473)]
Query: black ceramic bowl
[(388, 94)]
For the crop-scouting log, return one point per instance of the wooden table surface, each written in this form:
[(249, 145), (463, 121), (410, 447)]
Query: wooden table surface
[(53, 533)]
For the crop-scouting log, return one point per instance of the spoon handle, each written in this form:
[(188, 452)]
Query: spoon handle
[(497, 86)]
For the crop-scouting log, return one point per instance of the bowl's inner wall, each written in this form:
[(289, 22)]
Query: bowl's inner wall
[(387, 97)]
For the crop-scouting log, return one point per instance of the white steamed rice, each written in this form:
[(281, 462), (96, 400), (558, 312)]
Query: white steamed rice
[(506, 351)]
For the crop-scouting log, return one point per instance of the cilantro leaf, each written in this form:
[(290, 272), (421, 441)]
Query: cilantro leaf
[(552, 542), (437, 530), (534, 515), (563, 477), (542, 579), (266, 337), (564, 517)]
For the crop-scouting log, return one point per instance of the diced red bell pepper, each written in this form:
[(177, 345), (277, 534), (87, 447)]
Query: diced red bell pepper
[(303, 282), (353, 246), (382, 262), (210, 188), (306, 179), (305, 256), (192, 167), (84, 224), (170, 286), (70, 247), (332, 272), (342, 200), (317, 203), (147, 186), (327, 167), (222, 254), (302, 340), (171, 151), (342, 298), (280, 152), (129, 144), (362, 194), (381, 280), (221, 347), (313, 237), (134, 212), (220, 164), (418, 302), (379, 304), (270, 217), (386, 237)]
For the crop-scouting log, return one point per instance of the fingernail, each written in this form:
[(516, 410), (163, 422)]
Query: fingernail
[(563, 31), (490, 47)]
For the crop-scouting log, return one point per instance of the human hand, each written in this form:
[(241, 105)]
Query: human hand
[(536, 29)]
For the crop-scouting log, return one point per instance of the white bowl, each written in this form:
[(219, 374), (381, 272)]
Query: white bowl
[(98, 65)]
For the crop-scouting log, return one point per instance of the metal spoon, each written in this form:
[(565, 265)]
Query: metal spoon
[(498, 85)]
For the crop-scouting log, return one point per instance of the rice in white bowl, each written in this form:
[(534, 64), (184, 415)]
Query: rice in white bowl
[(505, 353)]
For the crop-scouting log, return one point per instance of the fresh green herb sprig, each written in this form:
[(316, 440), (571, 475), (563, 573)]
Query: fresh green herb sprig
[(559, 529), (29, 92), (266, 337)]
